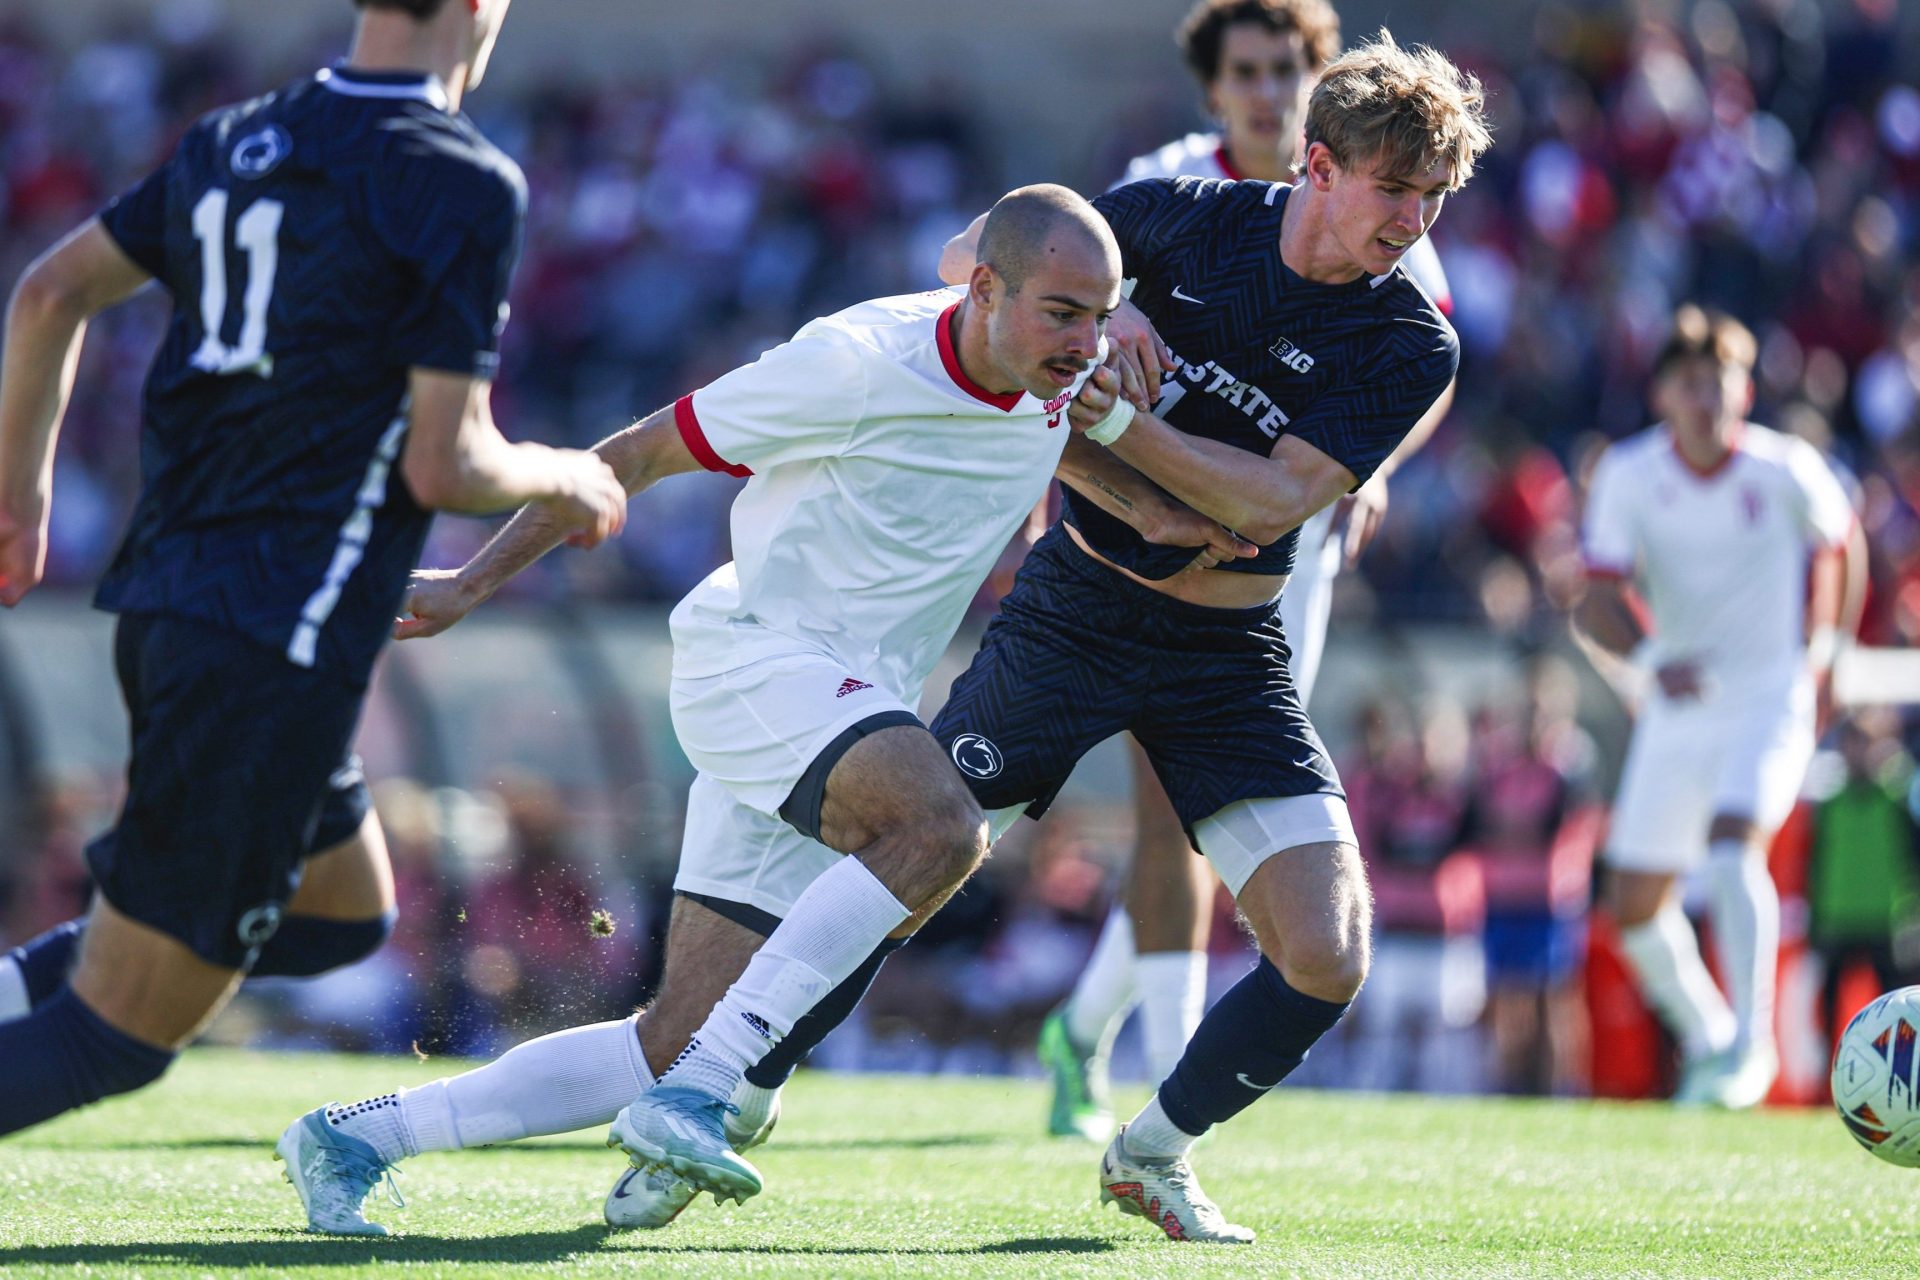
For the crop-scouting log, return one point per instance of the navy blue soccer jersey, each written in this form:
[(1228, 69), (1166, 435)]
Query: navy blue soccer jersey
[(1263, 352), (318, 243)]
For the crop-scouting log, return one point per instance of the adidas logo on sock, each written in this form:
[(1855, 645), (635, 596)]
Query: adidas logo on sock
[(760, 1025), (850, 685)]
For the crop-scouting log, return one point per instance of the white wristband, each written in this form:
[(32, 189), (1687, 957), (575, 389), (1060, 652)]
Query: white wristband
[(1111, 427), (1823, 647)]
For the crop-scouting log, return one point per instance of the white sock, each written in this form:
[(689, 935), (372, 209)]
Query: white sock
[(1151, 1136), (1173, 995), (833, 927), (755, 1102), (572, 1079), (1746, 934), (1105, 992), (14, 1002), (1665, 957)]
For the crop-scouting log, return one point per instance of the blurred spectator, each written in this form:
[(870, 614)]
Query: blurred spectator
[(1863, 887), (46, 881), (1408, 796), (552, 942), (1532, 825)]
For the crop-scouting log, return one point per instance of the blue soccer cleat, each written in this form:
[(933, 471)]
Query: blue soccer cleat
[(648, 1199), (685, 1130), (333, 1173)]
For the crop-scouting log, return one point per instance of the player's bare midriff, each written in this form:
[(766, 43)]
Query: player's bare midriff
[(1209, 587)]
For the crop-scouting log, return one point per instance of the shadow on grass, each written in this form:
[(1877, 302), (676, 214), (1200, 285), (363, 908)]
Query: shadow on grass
[(924, 1142), (1039, 1244), (265, 1145), (297, 1249), (292, 1249)]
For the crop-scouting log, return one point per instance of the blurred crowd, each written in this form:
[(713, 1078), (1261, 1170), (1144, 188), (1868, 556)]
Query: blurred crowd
[(1758, 155)]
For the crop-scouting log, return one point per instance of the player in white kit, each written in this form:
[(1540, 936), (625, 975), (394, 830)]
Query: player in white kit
[(1715, 522), (1256, 62), (894, 448)]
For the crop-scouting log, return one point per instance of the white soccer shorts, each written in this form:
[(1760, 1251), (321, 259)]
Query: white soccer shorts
[(1306, 604), (1689, 762), (755, 730), (739, 854)]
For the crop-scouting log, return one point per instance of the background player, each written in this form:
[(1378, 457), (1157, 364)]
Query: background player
[(1716, 519), (1256, 62), (338, 255)]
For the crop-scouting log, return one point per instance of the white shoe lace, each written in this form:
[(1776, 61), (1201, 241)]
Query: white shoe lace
[(1205, 1213)]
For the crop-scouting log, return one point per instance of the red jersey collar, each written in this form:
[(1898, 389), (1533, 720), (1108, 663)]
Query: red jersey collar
[(1227, 166), (943, 335), (1707, 473)]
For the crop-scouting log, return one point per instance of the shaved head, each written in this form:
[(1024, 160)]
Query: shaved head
[(1029, 225)]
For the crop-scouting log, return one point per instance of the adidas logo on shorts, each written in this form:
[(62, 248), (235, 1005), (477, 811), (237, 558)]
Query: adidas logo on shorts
[(850, 685)]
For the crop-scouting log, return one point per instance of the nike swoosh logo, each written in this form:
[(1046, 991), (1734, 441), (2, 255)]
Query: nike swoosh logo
[(1241, 1076), (620, 1188), (1184, 297)]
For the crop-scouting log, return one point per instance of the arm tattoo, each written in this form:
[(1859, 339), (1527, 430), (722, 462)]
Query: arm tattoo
[(1120, 499)]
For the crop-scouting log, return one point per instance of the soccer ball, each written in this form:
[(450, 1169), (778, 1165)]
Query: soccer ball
[(1874, 1081)]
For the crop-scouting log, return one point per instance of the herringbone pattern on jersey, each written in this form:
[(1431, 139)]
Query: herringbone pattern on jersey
[(1347, 368)]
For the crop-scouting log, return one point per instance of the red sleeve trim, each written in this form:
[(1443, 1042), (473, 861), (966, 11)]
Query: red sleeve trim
[(1607, 571), (696, 440)]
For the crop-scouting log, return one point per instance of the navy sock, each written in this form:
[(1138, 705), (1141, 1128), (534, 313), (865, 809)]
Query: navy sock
[(62, 1056), (772, 1071), (1249, 1042), (44, 962), (306, 945)]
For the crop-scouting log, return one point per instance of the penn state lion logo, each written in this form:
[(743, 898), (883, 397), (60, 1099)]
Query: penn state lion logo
[(259, 924), (977, 757), (259, 154)]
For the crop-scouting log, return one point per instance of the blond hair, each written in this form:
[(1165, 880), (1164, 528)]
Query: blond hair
[(1411, 110)]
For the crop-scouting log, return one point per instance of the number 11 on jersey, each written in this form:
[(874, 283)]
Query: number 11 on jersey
[(257, 233)]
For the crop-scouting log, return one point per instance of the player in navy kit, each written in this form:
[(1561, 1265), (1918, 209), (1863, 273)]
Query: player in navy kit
[(1298, 354), (338, 254)]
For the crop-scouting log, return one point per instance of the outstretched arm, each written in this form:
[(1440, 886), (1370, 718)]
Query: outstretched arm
[(46, 322), (638, 456)]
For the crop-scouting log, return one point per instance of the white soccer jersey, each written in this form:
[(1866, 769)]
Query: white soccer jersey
[(1721, 557), (885, 483), (1204, 155)]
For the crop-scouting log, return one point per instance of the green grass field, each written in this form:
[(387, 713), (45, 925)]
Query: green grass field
[(934, 1177)]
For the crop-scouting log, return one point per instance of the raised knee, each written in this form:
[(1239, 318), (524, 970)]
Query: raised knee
[(1328, 965), (953, 832)]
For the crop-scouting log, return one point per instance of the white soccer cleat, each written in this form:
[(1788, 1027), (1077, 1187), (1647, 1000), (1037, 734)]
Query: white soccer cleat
[(333, 1172), (1734, 1079), (1699, 1083), (1165, 1193), (1749, 1077), (648, 1199)]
